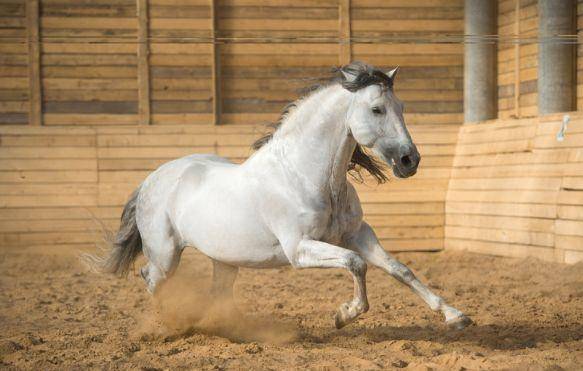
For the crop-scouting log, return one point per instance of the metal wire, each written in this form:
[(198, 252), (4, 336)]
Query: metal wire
[(397, 39)]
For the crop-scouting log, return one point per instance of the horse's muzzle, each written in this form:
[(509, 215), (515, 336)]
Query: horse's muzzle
[(406, 161)]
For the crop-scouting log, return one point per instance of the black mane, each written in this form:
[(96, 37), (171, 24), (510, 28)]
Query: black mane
[(364, 75)]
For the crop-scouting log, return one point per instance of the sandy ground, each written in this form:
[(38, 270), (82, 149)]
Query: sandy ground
[(54, 314)]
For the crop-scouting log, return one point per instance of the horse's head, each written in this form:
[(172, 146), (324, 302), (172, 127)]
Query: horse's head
[(375, 117)]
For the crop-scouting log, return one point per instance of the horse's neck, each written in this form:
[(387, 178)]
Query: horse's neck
[(314, 143)]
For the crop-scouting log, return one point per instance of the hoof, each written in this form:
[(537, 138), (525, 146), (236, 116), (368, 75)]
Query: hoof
[(343, 316), (459, 323)]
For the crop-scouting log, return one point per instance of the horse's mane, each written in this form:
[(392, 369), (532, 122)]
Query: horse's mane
[(366, 75)]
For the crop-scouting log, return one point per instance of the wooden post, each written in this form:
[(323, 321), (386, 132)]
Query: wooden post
[(555, 56), (345, 54), (517, 59), (143, 64), (34, 83), (215, 66), (479, 61)]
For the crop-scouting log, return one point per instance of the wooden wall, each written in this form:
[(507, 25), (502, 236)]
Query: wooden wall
[(517, 58), (517, 191), (579, 54), (109, 66), (13, 63), (88, 62)]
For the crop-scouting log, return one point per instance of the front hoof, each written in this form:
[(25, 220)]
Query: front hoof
[(460, 322)]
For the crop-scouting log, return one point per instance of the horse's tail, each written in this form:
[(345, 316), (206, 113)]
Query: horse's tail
[(126, 244)]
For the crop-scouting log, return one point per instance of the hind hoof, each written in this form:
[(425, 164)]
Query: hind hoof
[(342, 317), (459, 323), (348, 313)]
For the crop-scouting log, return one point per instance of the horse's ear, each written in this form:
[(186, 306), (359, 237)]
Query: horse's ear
[(393, 73), (349, 74)]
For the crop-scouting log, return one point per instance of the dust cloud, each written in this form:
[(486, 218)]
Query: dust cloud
[(184, 306)]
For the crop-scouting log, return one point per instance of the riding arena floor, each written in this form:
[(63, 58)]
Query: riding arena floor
[(56, 314)]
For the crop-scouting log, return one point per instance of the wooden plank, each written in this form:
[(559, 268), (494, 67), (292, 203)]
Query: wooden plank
[(568, 242), (501, 222), (517, 60), (501, 249), (215, 66), (43, 176), (497, 209), (34, 74), (570, 228), (143, 64), (345, 52), (88, 119), (501, 235)]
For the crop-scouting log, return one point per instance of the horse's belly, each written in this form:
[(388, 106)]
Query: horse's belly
[(233, 240), (221, 221)]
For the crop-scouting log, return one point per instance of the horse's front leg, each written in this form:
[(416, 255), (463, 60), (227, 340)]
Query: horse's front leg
[(316, 254), (366, 243)]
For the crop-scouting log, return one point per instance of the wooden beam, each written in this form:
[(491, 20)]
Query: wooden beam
[(517, 59), (143, 64), (34, 76), (345, 53), (215, 66)]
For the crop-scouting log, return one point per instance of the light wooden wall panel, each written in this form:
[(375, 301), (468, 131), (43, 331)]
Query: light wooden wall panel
[(89, 63), (260, 77), (579, 54), (180, 61), (14, 86), (517, 191), (517, 87)]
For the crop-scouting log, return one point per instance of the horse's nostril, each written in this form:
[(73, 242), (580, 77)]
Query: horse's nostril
[(406, 161)]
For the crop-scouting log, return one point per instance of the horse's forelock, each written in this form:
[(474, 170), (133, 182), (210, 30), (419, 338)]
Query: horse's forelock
[(364, 75)]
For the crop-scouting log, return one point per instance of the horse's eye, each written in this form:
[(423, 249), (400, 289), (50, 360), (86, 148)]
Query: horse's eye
[(377, 110)]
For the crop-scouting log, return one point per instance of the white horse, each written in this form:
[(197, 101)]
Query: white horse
[(289, 203)]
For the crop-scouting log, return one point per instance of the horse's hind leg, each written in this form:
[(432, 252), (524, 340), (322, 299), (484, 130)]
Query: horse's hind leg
[(163, 259), (224, 276)]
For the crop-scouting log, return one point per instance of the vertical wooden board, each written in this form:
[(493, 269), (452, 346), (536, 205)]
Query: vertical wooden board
[(579, 58), (517, 60), (143, 63), (34, 83), (345, 52), (216, 66)]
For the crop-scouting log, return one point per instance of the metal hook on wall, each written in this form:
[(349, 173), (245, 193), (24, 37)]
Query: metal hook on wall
[(563, 130)]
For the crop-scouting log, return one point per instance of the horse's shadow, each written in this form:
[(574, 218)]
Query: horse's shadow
[(492, 336)]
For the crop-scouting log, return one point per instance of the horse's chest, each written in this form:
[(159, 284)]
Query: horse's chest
[(330, 222)]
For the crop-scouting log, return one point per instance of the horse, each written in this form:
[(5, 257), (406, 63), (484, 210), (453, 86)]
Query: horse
[(289, 203)]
